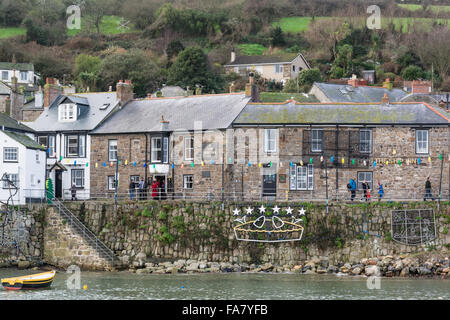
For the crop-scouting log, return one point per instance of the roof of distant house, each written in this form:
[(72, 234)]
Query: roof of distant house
[(215, 111), (93, 108), (340, 113), (16, 66), (4, 88), (24, 140), (265, 59), (170, 91), (10, 124), (348, 93)]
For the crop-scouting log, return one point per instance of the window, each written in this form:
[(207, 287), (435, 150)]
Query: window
[(37, 156), (14, 178), (112, 150), (302, 177), (76, 146), (111, 182), (49, 143), (293, 68), (5, 75), (368, 176), (270, 142), (67, 112), (10, 154), (23, 75), (421, 141), (189, 148), (78, 178), (33, 180), (166, 149), (278, 68), (135, 179), (156, 149), (365, 141), (188, 181), (316, 140)]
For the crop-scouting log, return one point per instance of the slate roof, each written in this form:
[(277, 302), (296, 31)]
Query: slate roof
[(216, 111), (90, 115), (5, 88), (11, 124), (263, 59), (170, 91), (24, 140), (347, 93), (348, 114), (16, 66)]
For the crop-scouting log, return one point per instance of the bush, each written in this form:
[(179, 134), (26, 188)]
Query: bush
[(412, 73)]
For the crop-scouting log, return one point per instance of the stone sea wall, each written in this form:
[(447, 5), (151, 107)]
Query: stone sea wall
[(202, 234)]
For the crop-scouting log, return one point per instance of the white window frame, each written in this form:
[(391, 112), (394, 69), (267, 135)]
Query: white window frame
[(363, 143), (14, 177), (77, 177), (316, 141), (112, 150), (186, 182), (10, 154), (421, 144), (278, 68), (67, 112), (301, 177), (156, 150), (189, 150), (3, 75), (111, 181), (270, 140), (24, 75), (165, 151), (71, 145)]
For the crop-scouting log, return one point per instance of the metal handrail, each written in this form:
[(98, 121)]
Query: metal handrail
[(84, 231)]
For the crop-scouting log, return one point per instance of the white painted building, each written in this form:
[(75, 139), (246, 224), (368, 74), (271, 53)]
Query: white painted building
[(64, 129), (22, 162)]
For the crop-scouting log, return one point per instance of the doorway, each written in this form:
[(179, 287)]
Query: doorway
[(270, 185), (58, 184), (162, 186)]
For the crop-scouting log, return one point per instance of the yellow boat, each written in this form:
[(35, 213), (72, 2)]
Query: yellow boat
[(34, 281)]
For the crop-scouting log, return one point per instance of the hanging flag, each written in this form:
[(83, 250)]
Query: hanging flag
[(259, 164), (270, 164), (212, 161), (399, 162), (249, 164), (419, 161), (96, 165), (60, 159), (353, 161), (230, 160), (126, 162), (192, 164), (332, 159), (310, 160), (87, 164), (301, 163), (111, 164), (374, 164), (429, 159), (203, 164), (134, 164), (292, 164), (440, 156), (387, 162), (145, 165), (182, 165), (75, 162), (154, 166), (343, 160), (365, 163), (104, 163), (321, 158), (281, 164), (394, 151), (173, 166), (67, 160)]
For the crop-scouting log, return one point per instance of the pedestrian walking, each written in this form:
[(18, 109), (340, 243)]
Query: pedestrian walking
[(73, 190), (380, 191), (141, 189), (132, 188), (352, 187), (365, 187)]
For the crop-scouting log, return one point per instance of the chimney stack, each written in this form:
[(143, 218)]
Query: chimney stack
[(251, 89), (385, 100), (233, 55), (198, 90), (387, 84), (164, 124), (232, 87), (51, 91), (124, 91), (149, 96)]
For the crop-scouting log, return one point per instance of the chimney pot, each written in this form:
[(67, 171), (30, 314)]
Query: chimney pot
[(149, 95), (385, 99)]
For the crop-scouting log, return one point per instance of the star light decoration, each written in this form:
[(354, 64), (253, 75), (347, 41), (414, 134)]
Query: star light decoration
[(123, 24)]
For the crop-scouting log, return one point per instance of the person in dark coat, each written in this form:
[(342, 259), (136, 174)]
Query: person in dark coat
[(428, 190), (132, 187), (141, 189), (380, 191), (365, 187)]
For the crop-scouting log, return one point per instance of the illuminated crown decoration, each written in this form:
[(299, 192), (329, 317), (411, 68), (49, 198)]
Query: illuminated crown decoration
[(280, 225)]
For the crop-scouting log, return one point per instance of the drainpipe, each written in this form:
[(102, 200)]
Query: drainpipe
[(146, 157)]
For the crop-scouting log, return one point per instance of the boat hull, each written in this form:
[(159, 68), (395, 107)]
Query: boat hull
[(39, 281)]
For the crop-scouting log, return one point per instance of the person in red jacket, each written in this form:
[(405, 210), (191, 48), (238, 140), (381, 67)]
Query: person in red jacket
[(155, 186)]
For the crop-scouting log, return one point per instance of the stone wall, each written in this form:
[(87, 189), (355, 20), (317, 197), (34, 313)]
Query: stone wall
[(63, 246), (22, 237), (171, 230)]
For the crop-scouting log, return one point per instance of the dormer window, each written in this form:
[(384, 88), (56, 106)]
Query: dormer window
[(67, 112)]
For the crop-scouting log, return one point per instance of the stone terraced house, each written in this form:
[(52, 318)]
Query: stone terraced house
[(228, 147)]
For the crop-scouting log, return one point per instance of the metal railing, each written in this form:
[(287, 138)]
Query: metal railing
[(84, 231), (206, 194)]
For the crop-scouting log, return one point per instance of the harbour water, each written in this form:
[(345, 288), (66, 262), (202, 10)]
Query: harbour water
[(229, 286)]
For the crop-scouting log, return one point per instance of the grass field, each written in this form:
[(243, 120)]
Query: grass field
[(11, 32), (415, 7), (299, 24), (281, 97), (110, 25), (251, 49)]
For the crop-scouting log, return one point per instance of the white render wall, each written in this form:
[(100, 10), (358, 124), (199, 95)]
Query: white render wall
[(27, 166)]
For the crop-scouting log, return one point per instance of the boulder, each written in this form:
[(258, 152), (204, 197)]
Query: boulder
[(398, 265), (332, 269), (23, 264), (267, 267), (321, 270), (309, 272), (192, 267), (424, 271), (356, 271), (404, 272)]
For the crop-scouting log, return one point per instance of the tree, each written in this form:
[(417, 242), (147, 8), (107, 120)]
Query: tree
[(277, 37), (97, 9), (135, 65), (86, 71), (12, 12), (308, 77), (191, 69), (412, 73), (174, 48)]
